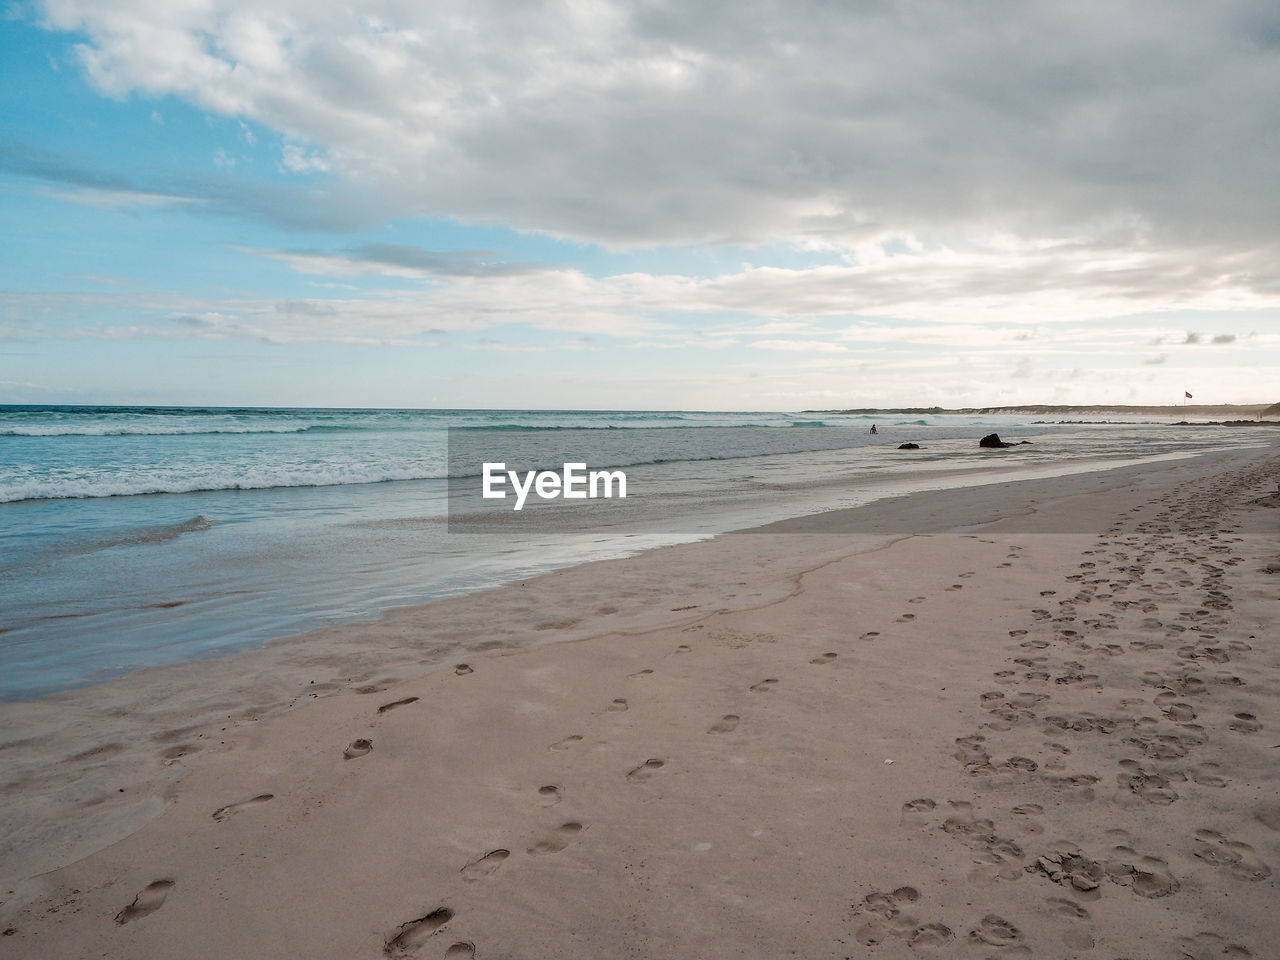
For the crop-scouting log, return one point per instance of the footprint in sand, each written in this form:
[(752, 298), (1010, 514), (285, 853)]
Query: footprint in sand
[(1075, 936), (148, 901), (223, 812), (1067, 909), (550, 795), (1029, 812), (930, 936), (917, 600), (567, 742), (618, 705), (645, 770), (1023, 764), (554, 844), (397, 703), (410, 936), (1071, 869), (995, 932), (462, 950), (915, 813), (765, 684), (639, 673), (870, 635), (484, 866), (954, 587), (1235, 858), (906, 618), (725, 724), (825, 658), (463, 669), (1206, 775), (1245, 723), (684, 648), (887, 919), (1147, 784), (1209, 946), (358, 748), (1147, 877)]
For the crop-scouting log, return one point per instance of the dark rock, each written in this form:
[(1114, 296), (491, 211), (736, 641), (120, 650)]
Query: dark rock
[(908, 446), (1021, 442), (992, 440)]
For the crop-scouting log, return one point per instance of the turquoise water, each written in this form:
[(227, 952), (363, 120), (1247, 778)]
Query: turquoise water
[(132, 537)]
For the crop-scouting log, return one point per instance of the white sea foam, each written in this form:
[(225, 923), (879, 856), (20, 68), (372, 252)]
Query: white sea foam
[(142, 430)]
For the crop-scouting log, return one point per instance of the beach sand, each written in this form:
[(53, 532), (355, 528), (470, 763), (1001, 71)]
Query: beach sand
[(1033, 719)]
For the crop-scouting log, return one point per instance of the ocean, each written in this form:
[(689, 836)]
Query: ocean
[(133, 537)]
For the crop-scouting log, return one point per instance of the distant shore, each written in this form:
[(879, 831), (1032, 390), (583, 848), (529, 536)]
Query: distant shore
[(1240, 413)]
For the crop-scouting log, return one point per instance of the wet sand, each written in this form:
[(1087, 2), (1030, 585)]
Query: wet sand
[(1035, 719)]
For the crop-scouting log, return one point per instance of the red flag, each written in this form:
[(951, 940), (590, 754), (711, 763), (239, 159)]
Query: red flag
[(1188, 395)]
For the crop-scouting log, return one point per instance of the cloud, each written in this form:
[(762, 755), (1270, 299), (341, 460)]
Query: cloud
[(401, 260), (801, 346), (298, 160), (341, 208), (650, 122), (978, 303)]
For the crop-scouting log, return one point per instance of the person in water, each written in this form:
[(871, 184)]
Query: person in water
[(873, 428)]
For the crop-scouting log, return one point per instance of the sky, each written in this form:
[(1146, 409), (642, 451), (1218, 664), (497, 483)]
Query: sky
[(639, 205)]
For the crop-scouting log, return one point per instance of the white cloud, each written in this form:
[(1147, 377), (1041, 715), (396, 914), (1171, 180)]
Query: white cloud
[(298, 160), (801, 346), (117, 200)]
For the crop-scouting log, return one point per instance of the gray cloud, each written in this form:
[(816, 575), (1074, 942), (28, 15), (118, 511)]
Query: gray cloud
[(328, 207), (1225, 338), (663, 121), (445, 263)]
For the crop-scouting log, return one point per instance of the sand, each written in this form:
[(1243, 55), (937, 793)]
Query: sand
[(1034, 719)]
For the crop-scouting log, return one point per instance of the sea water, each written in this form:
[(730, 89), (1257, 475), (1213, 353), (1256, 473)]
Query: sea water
[(133, 537)]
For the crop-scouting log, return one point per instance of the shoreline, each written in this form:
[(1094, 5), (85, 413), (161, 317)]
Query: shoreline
[(541, 656), (193, 637)]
